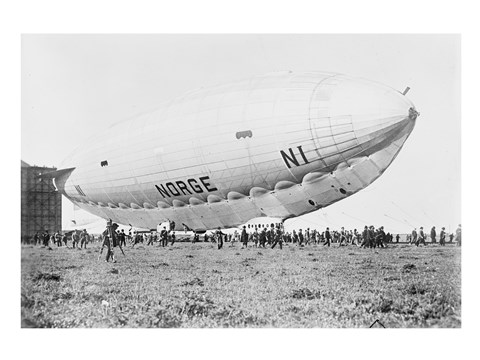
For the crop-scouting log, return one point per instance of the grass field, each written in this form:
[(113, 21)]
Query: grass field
[(196, 285)]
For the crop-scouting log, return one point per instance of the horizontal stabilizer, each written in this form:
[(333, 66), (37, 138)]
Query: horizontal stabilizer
[(57, 173), (59, 177)]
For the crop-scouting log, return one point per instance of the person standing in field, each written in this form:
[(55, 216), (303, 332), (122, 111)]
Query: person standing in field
[(278, 238), (172, 238), (442, 237), (365, 239), (413, 238), (328, 237), (244, 237), (294, 237), (122, 238), (136, 238), (433, 235), (270, 234), (219, 237), (343, 238), (263, 237), (421, 237), (397, 237), (307, 236), (458, 234), (371, 237), (150, 239), (235, 237), (255, 237), (58, 239), (300, 237), (75, 239), (355, 237), (380, 237), (83, 239), (164, 237), (196, 238), (110, 241)]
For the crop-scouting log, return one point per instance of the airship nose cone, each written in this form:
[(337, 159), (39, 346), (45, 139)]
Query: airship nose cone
[(366, 102), (375, 111)]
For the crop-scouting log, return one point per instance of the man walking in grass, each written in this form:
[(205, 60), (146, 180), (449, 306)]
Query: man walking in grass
[(294, 237), (307, 236), (300, 237), (110, 241), (442, 237), (270, 235), (328, 237), (458, 234), (150, 239), (365, 238), (75, 239), (278, 238), (196, 238), (433, 235), (163, 237), (255, 237), (244, 237), (263, 237), (371, 236), (380, 237), (413, 238), (421, 238), (219, 237), (46, 238), (343, 238), (122, 238), (136, 238), (83, 239), (58, 239)]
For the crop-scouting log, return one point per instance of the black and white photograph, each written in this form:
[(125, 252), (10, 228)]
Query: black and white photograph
[(184, 186), (287, 186)]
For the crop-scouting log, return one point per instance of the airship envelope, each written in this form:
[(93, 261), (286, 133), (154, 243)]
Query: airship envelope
[(278, 145)]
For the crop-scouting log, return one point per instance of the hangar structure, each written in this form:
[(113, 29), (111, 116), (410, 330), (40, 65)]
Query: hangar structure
[(41, 203)]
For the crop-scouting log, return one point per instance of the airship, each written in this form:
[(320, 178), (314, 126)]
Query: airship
[(278, 145)]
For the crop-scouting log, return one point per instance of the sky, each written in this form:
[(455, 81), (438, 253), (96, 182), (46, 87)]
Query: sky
[(74, 86)]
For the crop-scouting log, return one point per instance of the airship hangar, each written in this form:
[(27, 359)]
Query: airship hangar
[(41, 203)]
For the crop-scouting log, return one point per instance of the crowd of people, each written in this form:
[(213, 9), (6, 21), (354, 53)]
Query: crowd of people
[(254, 236), (369, 237), (77, 238), (419, 237)]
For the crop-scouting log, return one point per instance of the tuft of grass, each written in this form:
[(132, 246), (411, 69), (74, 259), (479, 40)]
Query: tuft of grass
[(195, 281), (46, 277), (407, 268), (159, 265)]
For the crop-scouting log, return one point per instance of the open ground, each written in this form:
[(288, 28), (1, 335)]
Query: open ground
[(196, 285)]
